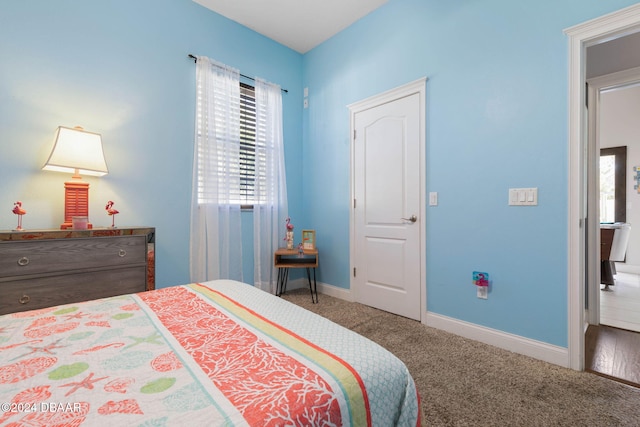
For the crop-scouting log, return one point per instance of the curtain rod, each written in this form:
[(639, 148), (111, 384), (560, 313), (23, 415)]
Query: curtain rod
[(195, 59)]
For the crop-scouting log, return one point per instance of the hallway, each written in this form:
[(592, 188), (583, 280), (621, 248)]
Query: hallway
[(612, 348)]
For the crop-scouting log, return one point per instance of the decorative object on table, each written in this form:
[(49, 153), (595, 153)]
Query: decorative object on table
[(308, 239), (76, 151), (79, 222), (18, 210), (289, 235), (112, 213), (300, 249)]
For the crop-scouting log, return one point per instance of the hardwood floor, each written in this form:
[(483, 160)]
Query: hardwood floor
[(612, 349), (620, 307), (613, 353)]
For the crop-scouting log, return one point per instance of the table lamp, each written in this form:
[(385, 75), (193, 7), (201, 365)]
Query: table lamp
[(76, 151)]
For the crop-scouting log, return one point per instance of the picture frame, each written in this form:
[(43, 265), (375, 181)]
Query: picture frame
[(308, 239)]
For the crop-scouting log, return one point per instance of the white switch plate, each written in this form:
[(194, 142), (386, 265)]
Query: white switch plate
[(433, 198), (523, 196)]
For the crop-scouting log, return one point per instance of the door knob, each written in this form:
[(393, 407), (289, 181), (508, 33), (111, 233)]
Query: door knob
[(413, 218)]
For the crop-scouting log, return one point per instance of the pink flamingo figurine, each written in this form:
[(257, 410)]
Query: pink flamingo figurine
[(112, 213), (289, 234), (17, 209)]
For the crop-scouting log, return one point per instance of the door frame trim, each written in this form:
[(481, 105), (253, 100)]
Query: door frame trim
[(596, 31), (416, 87)]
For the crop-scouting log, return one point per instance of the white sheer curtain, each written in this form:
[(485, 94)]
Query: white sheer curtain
[(216, 243), (270, 209)]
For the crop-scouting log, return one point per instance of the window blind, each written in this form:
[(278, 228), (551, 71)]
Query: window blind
[(234, 157), (247, 144)]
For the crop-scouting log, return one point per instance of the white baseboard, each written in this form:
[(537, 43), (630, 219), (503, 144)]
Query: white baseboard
[(515, 343), (627, 268), (323, 288), (297, 284), (334, 291)]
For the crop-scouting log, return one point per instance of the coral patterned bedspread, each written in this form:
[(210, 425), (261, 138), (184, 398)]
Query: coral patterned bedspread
[(214, 354)]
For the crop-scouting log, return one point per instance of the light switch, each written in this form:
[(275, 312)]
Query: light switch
[(433, 198), (513, 196), (523, 196)]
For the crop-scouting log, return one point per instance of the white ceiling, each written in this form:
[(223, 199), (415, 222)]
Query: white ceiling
[(298, 24)]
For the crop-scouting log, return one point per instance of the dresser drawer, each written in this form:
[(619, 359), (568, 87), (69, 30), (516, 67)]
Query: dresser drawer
[(31, 294), (55, 255)]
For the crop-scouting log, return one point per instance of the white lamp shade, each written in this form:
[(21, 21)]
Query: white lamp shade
[(77, 149)]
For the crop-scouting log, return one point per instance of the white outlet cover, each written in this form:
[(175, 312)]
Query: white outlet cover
[(483, 292)]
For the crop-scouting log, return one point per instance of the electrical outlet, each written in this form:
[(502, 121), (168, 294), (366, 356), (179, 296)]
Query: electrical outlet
[(481, 281), (482, 292)]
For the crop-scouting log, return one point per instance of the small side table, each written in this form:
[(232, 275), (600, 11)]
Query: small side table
[(284, 259)]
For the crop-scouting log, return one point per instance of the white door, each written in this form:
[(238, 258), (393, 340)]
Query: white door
[(387, 249)]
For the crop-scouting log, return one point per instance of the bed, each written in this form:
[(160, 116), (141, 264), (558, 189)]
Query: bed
[(211, 354)]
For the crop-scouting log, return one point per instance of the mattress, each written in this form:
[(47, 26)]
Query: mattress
[(219, 353)]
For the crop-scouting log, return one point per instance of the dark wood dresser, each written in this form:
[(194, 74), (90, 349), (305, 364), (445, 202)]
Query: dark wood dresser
[(44, 268)]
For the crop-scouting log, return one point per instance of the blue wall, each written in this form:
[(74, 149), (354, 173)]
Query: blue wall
[(496, 117), (120, 68)]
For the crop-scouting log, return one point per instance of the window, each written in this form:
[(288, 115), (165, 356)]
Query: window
[(238, 162), (613, 185), (240, 177), (247, 145), (257, 154)]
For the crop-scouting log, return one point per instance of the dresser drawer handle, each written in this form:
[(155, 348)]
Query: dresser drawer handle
[(122, 253), (25, 299), (23, 261)]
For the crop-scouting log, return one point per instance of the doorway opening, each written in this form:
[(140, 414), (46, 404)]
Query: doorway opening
[(583, 221)]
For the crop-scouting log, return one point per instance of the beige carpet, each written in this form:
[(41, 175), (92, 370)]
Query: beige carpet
[(466, 383)]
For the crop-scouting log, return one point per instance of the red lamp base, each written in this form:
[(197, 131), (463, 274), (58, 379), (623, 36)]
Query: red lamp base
[(76, 202)]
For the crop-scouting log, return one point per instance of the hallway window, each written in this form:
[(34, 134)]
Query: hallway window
[(613, 185)]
